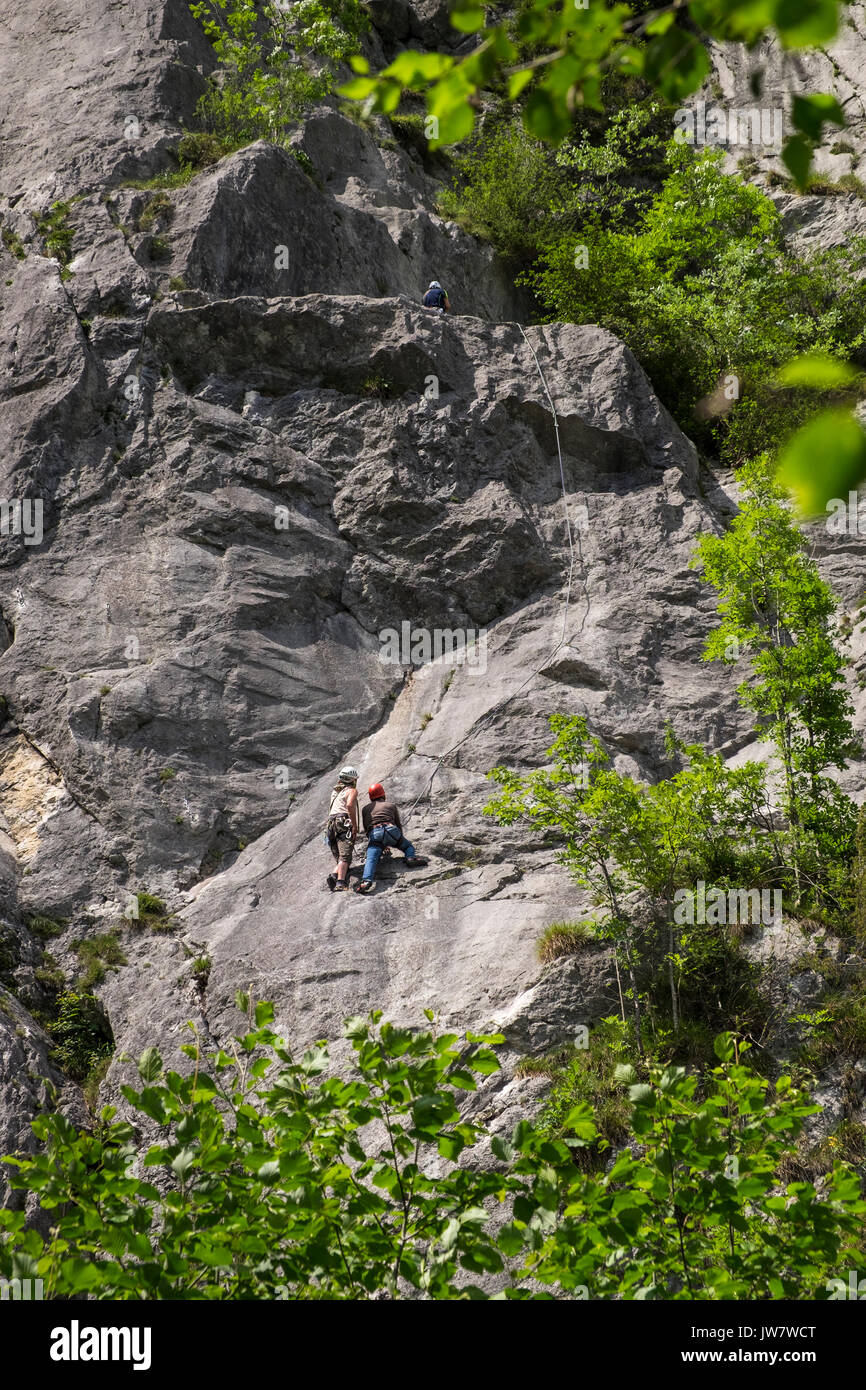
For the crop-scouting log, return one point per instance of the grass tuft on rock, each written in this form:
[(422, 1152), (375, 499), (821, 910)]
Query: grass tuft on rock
[(565, 939)]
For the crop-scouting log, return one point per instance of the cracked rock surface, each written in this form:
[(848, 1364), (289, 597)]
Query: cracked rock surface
[(250, 472)]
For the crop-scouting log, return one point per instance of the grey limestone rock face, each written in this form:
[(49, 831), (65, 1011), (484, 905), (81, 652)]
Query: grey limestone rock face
[(251, 473)]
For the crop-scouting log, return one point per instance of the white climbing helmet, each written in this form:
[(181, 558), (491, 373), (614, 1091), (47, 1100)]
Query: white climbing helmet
[(348, 774), (434, 285)]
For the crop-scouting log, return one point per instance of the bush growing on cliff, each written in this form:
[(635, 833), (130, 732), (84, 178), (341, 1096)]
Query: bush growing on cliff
[(775, 623), (691, 271), (81, 1034), (618, 837), (275, 62), (276, 1183), (554, 61)]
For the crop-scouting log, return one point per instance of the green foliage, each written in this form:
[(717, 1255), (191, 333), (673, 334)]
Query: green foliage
[(158, 208), (10, 956), (151, 912), (836, 1030), (506, 190), (554, 61), (378, 386), (166, 774), (81, 1035), (51, 979), (565, 939), (96, 955), (199, 150), (275, 62), (57, 232), (45, 927), (616, 836), (285, 1178), (858, 875), (702, 287), (13, 243), (588, 1077), (626, 228), (775, 609), (305, 162)]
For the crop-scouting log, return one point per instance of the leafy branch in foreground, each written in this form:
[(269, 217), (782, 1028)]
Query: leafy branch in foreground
[(294, 1179), (555, 56), (275, 60)]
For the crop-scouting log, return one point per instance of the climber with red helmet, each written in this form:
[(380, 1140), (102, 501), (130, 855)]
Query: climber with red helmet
[(381, 820)]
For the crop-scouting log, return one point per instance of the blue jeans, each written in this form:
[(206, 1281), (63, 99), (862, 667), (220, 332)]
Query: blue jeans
[(380, 836)]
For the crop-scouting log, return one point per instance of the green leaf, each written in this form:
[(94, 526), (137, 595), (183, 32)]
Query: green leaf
[(510, 1239), (817, 369), (580, 1121), (359, 64), (805, 23), (216, 1257), (264, 1013), (462, 1080), (797, 157), (545, 117), (358, 88), (484, 1062), (641, 1095), (183, 1161), (467, 18), (810, 114), (448, 103), (824, 461), (450, 1146), (517, 81), (150, 1065), (677, 63), (501, 1149), (661, 23), (411, 69)]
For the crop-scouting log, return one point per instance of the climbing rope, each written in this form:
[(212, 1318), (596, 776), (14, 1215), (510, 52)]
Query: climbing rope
[(562, 641)]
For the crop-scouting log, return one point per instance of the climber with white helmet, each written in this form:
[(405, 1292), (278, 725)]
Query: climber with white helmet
[(436, 298), (381, 820), (341, 830)]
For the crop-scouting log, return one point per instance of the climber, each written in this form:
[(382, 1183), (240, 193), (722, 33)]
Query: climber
[(342, 827), (381, 820), (436, 298)]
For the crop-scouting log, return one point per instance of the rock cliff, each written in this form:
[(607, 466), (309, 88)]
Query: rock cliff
[(256, 454)]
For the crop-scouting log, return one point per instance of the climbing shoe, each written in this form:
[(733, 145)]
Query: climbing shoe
[(365, 886), (341, 887), (417, 863), (332, 881)]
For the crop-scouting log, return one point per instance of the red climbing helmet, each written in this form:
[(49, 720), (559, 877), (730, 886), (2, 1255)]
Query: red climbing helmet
[(376, 791)]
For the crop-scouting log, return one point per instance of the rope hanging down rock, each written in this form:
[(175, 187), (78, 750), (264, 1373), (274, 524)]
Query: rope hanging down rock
[(562, 641)]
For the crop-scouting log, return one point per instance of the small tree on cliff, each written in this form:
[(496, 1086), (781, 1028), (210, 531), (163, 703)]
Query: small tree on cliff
[(618, 836), (775, 609)]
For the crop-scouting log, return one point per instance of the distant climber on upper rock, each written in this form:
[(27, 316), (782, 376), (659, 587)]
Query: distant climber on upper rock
[(381, 820), (436, 298), (341, 830)]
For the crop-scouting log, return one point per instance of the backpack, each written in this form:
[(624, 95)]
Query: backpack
[(434, 299)]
